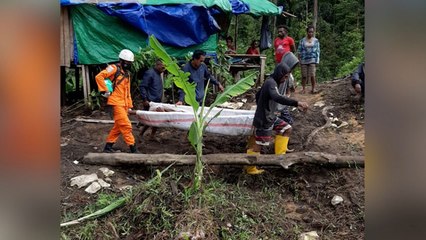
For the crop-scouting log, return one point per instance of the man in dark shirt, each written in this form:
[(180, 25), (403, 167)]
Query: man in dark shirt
[(358, 80), (152, 89), (265, 121), (199, 73)]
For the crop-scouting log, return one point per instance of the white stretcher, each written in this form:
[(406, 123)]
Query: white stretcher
[(229, 122)]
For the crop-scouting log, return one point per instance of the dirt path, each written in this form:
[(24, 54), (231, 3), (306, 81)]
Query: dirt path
[(303, 192)]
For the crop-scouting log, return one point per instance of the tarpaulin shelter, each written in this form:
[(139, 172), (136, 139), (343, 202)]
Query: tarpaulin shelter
[(94, 31)]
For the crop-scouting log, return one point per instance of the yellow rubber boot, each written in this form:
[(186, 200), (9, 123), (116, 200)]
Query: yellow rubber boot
[(253, 149), (253, 170), (281, 143)]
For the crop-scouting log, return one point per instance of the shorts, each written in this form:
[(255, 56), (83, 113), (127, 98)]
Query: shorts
[(285, 115), (308, 70), (263, 136)]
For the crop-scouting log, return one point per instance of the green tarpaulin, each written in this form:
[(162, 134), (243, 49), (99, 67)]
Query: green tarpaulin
[(99, 37), (262, 7)]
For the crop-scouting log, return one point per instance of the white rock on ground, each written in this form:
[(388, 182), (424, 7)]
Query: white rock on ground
[(336, 200), (319, 104), (83, 180), (313, 235), (103, 183), (107, 172), (93, 188)]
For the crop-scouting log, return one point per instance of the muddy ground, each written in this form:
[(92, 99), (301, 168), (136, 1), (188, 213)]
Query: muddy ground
[(284, 203)]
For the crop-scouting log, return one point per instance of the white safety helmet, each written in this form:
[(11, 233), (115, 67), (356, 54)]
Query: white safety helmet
[(126, 55)]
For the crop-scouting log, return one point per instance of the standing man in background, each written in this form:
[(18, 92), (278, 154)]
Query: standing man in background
[(199, 73), (151, 89), (283, 43)]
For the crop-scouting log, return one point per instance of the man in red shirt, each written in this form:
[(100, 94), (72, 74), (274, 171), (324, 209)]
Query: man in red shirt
[(283, 43)]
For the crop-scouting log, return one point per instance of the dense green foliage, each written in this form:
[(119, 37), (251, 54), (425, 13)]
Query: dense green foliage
[(340, 30)]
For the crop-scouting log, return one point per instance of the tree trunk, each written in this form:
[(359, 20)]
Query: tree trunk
[(315, 14), (285, 161), (307, 9), (274, 22)]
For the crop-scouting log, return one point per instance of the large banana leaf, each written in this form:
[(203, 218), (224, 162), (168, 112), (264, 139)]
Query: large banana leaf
[(181, 78), (171, 66), (193, 136), (234, 90), (188, 88)]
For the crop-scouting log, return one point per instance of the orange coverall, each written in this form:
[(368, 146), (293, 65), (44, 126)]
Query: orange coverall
[(121, 101)]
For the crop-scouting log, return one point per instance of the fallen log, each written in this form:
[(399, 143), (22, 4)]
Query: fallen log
[(326, 125), (116, 159)]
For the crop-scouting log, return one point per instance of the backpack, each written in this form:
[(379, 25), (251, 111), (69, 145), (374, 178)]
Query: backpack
[(118, 73)]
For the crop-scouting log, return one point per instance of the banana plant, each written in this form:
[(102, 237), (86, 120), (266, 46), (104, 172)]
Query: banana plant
[(201, 117)]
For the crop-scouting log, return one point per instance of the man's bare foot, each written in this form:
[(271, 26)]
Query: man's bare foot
[(303, 91), (314, 91)]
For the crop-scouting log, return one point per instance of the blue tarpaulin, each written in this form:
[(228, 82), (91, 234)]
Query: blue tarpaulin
[(102, 28), (253, 7), (181, 25), (99, 37), (239, 7)]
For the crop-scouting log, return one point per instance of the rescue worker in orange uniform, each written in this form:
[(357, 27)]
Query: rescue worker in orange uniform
[(120, 99)]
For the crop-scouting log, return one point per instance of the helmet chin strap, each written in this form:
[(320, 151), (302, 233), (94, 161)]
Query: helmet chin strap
[(124, 65)]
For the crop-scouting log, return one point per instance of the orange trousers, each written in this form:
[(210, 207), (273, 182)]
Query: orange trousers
[(121, 125)]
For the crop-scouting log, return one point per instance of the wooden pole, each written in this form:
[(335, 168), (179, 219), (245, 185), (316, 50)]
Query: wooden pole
[(315, 14), (83, 71), (274, 22), (77, 79), (63, 85), (285, 14), (103, 121)]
